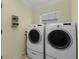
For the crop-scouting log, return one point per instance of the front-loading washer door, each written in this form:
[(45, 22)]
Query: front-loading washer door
[(34, 36), (59, 39)]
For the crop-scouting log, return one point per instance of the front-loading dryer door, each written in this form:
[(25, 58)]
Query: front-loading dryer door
[(59, 39), (34, 36)]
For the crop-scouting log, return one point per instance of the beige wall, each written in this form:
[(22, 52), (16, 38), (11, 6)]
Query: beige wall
[(67, 11), (14, 39), (74, 10)]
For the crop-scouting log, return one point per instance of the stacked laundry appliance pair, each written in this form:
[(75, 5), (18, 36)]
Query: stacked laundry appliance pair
[(52, 41)]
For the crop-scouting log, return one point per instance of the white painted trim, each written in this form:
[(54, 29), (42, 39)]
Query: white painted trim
[(3, 29)]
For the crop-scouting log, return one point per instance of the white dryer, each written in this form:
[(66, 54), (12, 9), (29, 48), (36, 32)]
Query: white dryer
[(35, 41), (60, 42)]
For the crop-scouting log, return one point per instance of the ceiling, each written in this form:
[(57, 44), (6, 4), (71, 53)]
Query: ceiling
[(40, 3)]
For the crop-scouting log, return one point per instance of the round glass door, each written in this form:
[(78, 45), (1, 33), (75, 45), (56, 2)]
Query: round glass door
[(34, 36), (59, 39)]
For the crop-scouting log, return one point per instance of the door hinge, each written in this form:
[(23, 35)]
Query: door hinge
[(1, 57), (1, 5)]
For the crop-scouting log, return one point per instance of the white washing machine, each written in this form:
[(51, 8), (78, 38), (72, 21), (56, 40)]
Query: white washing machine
[(35, 41), (60, 42)]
